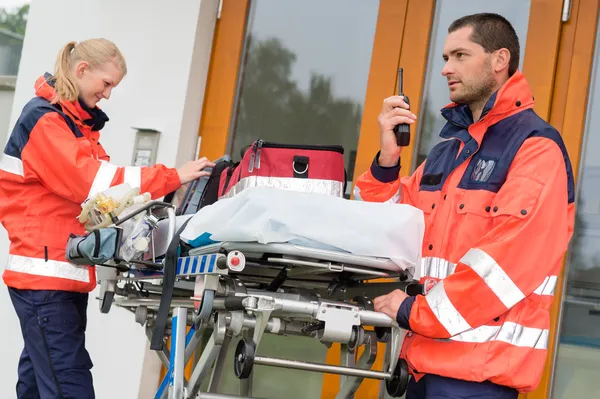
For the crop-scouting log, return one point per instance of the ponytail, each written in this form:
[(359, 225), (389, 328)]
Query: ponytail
[(64, 85), (95, 52)]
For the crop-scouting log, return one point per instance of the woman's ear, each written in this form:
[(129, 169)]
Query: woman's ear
[(80, 69)]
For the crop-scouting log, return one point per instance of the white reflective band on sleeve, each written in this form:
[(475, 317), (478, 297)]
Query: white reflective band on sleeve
[(494, 276), (357, 196), (11, 164), (394, 200), (445, 311), (509, 332), (547, 287), (133, 176), (103, 178), (51, 268), (436, 267)]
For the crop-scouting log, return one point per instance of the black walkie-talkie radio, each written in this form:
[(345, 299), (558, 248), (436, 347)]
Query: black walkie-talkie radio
[(402, 130)]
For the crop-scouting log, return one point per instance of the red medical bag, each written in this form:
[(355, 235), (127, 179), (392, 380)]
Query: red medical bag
[(308, 168)]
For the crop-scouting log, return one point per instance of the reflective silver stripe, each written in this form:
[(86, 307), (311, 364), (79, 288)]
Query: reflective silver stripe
[(103, 178), (51, 268), (394, 200), (133, 176), (357, 196), (316, 186), (445, 311), (509, 332), (547, 287), (11, 164), (494, 276), (436, 267), (519, 335)]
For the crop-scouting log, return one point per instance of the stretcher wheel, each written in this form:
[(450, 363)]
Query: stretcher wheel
[(396, 386), (206, 306), (107, 301), (244, 358), (383, 334)]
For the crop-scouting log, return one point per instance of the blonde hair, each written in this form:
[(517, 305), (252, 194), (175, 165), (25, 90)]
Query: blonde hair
[(93, 51)]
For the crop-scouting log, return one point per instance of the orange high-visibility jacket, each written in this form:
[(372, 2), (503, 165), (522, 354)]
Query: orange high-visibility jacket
[(498, 201), (52, 163)]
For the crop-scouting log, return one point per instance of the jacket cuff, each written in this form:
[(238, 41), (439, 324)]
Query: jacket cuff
[(403, 315), (173, 181), (385, 174)]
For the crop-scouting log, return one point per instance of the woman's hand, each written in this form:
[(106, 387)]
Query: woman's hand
[(194, 170)]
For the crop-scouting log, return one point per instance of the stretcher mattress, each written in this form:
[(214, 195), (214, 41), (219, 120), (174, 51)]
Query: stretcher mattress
[(319, 222)]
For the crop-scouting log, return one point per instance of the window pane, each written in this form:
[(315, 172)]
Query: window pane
[(304, 74), (578, 361), (436, 94), (303, 81)]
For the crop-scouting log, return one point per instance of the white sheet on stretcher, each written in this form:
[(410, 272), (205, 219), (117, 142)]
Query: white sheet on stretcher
[(270, 215)]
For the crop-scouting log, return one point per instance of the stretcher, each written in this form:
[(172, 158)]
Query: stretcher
[(230, 290)]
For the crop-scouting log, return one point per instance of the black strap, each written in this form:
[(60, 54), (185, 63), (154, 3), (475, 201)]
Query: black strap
[(97, 243), (230, 170), (169, 272)]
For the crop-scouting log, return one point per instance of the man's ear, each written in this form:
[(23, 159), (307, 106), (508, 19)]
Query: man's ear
[(501, 60)]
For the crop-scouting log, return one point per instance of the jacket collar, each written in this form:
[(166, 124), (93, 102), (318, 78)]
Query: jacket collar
[(93, 117), (514, 96)]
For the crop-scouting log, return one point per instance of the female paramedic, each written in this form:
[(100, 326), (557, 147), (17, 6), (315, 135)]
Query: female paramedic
[(52, 163)]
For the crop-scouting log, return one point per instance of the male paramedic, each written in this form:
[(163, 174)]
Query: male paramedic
[(497, 197)]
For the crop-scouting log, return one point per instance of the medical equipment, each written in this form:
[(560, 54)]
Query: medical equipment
[(245, 289)]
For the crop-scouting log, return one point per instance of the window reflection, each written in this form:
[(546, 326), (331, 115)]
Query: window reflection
[(436, 94), (578, 360), (303, 80), (304, 73)]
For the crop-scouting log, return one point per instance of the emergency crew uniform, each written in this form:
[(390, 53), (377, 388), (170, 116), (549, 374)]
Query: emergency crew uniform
[(52, 163), (498, 200)]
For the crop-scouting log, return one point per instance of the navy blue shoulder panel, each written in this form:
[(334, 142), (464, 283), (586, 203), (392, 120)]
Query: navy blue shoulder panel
[(33, 111), (488, 168), (553, 135), (438, 165)]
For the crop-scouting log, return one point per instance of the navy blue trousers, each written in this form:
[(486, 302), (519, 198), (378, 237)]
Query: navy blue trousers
[(54, 362), (436, 387)]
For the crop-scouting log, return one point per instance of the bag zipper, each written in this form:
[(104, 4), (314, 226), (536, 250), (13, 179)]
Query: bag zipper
[(260, 144), (265, 144)]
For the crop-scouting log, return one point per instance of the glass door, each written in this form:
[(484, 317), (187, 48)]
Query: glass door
[(293, 72), (304, 74), (577, 359)]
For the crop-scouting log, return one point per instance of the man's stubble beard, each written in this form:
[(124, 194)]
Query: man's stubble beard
[(478, 90)]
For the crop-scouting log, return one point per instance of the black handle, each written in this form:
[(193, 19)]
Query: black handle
[(234, 303)]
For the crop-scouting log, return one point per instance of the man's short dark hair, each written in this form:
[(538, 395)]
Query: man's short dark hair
[(492, 32)]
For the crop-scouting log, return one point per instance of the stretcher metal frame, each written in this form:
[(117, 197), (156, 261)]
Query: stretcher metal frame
[(235, 289)]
